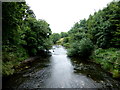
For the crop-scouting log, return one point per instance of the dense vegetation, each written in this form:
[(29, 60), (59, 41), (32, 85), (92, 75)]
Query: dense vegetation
[(98, 38), (109, 60), (57, 38), (23, 35)]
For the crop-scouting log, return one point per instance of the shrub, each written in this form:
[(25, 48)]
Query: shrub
[(109, 60), (82, 48), (66, 45), (7, 68), (11, 57), (66, 39)]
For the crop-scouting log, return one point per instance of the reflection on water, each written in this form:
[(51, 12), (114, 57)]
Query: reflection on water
[(63, 72)]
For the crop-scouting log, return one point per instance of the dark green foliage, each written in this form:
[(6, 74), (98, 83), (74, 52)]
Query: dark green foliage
[(66, 40), (63, 34), (109, 60), (23, 35), (12, 19), (13, 14), (55, 37), (11, 56), (104, 26), (66, 45), (82, 48), (37, 36), (80, 44), (103, 31)]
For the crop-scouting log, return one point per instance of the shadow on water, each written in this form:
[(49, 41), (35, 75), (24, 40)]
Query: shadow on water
[(95, 72), (88, 68), (18, 78), (59, 71)]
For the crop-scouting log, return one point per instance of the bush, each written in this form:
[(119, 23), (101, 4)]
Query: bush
[(7, 68), (66, 45), (109, 60), (11, 57), (66, 39), (82, 48)]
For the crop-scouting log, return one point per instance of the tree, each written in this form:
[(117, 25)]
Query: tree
[(63, 34), (55, 37), (23, 35), (37, 36), (11, 20)]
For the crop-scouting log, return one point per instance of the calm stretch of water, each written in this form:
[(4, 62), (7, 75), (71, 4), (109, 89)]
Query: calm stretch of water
[(59, 71)]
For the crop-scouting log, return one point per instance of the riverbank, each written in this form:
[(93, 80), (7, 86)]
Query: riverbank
[(109, 59), (22, 72), (60, 71), (15, 66)]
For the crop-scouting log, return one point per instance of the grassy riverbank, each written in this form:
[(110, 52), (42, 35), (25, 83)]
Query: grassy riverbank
[(109, 59), (16, 65)]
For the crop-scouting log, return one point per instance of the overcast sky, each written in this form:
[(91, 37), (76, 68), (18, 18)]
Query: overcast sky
[(62, 14)]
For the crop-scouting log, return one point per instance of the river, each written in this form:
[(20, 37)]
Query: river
[(59, 71)]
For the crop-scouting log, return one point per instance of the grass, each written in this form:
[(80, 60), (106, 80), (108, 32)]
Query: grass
[(11, 57), (109, 59)]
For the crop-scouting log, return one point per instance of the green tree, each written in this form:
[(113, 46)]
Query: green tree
[(82, 48), (63, 34), (55, 37), (23, 35), (37, 36)]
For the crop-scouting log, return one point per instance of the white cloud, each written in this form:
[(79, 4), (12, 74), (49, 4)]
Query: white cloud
[(62, 14)]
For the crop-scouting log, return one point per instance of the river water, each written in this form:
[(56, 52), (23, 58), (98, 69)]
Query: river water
[(59, 71)]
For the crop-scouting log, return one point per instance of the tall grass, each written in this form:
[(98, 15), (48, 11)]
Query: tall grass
[(109, 60)]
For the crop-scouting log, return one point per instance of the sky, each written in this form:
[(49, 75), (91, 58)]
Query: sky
[(63, 14)]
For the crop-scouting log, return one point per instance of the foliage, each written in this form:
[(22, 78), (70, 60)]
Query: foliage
[(66, 45), (60, 41), (104, 26), (103, 31), (66, 41), (7, 68), (63, 34), (11, 57), (36, 37), (109, 60), (55, 37), (23, 35), (82, 48)]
